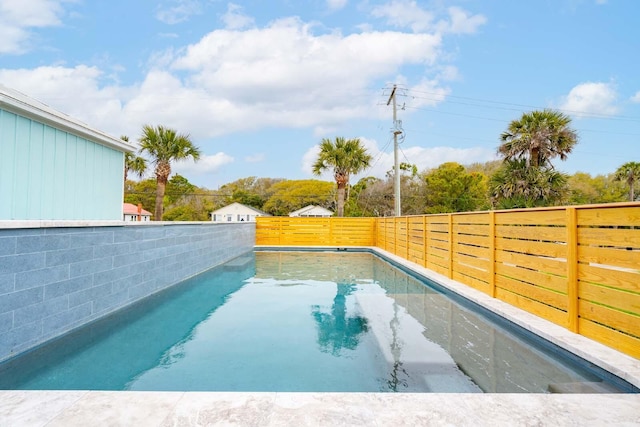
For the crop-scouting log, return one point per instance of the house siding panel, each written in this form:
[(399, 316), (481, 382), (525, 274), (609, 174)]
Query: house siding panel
[(50, 174)]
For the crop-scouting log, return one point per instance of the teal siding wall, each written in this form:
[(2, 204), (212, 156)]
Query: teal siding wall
[(49, 174)]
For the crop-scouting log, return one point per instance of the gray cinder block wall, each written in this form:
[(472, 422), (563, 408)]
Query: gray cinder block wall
[(53, 280)]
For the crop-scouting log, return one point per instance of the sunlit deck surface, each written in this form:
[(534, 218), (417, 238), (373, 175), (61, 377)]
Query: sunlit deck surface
[(70, 408)]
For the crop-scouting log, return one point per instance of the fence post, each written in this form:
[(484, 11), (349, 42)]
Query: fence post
[(492, 254), (424, 239), (331, 242), (395, 235), (406, 227), (572, 269), (450, 246)]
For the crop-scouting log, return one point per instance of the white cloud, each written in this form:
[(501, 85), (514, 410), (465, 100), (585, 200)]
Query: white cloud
[(255, 158), (422, 157), (336, 4), (409, 14), (461, 22), (591, 98), (234, 19), (176, 11), (405, 14), (208, 164), (19, 17), (79, 92), (636, 97), (282, 75)]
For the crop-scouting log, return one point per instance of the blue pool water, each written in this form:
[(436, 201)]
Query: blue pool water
[(299, 321)]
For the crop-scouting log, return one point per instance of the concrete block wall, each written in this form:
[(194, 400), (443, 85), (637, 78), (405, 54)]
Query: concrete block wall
[(53, 280)]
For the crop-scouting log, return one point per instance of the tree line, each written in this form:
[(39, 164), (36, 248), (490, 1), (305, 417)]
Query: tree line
[(525, 176)]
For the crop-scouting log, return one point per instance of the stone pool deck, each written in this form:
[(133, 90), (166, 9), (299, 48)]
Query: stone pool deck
[(98, 408)]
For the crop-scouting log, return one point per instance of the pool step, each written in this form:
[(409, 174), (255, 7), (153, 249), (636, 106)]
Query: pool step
[(238, 263), (582, 387)]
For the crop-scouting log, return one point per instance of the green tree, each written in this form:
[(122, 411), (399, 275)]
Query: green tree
[(450, 188), (630, 174), (165, 145), (289, 196), (375, 197), (142, 192), (345, 157), (515, 185), (133, 163), (585, 189), (178, 187), (250, 191)]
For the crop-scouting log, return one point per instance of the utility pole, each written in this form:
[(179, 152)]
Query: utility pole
[(396, 164)]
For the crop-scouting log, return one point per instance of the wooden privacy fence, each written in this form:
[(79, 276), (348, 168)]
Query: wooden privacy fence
[(576, 266), (297, 231)]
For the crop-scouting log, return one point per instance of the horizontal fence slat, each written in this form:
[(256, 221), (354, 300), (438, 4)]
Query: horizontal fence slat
[(533, 292), (621, 258), (555, 250), (620, 300), (610, 337), (537, 263), (609, 216), (554, 315), (614, 319), (540, 233), (625, 280), (622, 237), (545, 280)]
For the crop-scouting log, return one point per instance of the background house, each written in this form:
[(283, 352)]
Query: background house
[(312, 211), (54, 167), (130, 213), (236, 212)]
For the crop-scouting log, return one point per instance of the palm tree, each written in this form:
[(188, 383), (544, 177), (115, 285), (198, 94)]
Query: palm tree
[(133, 163), (538, 137), (345, 157), (165, 145), (515, 185), (629, 173)]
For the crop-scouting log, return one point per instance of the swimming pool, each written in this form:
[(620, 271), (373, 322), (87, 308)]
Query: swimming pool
[(302, 321)]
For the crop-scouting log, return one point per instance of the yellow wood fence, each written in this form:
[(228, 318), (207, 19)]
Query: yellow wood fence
[(576, 266)]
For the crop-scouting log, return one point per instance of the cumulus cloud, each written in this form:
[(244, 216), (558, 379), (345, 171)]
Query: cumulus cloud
[(208, 164), (18, 19), (422, 157), (336, 4), (636, 97), (176, 11), (409, 14), (405, 14), (461, 22), (591, 98), (80, 92), (235, 19)]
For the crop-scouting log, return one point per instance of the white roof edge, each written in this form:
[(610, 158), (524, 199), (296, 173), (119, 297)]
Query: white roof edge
[(19, 103)]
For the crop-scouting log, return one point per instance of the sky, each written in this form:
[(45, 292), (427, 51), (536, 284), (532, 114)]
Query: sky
[(257, 85)]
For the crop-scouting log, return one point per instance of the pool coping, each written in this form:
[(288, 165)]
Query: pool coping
[(67, 408)]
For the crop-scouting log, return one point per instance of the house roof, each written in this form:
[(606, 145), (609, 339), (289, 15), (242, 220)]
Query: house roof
[(131, 209), (19, 103), (239, 206), (308, 208)]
